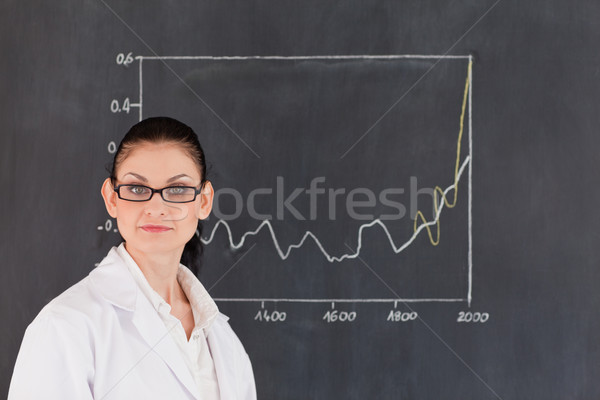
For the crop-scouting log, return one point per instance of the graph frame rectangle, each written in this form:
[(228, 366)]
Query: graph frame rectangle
[(438, 58)]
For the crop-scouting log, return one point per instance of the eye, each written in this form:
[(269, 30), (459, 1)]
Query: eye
[(137, 190), (174, 190)]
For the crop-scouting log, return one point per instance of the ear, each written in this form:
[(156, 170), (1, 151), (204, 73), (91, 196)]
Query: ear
[(110, 198), (206, 201)]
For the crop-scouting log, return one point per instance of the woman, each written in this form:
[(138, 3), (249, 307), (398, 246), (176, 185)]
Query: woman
[(140, 325)]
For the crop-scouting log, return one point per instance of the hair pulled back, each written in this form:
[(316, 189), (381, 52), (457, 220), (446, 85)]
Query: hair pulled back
[(158, 130)]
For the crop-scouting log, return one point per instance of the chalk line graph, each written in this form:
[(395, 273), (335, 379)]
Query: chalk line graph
[(462, 165)]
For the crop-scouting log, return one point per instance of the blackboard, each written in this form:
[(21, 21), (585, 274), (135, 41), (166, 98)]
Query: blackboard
[(327, 127)]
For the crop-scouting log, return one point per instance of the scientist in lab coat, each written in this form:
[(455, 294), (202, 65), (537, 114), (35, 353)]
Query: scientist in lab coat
[(141, 325)]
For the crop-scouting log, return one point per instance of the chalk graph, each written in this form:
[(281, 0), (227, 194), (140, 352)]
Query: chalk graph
[(446, 196)]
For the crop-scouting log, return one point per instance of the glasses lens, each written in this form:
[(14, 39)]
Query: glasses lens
[(179, 194), (134, 192)]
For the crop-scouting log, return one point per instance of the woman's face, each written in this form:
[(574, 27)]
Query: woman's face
[(157, 166)]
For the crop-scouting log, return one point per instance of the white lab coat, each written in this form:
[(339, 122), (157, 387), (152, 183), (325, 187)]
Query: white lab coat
[(102, 339)]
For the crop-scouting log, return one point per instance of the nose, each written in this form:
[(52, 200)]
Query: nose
[(156, 205)]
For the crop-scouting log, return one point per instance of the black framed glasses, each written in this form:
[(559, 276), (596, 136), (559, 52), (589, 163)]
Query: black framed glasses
[(172, 194)]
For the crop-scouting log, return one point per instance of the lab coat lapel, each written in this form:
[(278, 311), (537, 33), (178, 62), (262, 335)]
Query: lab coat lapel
[(115, 283), (222, 355), (155, 333)]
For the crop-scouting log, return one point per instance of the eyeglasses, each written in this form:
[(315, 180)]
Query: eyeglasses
[(172, 194)]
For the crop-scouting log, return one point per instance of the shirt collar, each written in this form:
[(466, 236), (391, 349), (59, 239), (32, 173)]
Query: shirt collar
[(203, 306)]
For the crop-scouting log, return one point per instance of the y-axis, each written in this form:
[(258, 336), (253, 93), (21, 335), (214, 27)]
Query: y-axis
[(140, 59)]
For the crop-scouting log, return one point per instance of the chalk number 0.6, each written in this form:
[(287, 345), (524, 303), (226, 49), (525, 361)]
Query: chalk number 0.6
[(124, 59)]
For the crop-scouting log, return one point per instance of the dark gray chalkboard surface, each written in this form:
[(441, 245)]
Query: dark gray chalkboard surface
[(327, 125)]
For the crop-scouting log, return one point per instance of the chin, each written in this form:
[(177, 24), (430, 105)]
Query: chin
[(154, 244)]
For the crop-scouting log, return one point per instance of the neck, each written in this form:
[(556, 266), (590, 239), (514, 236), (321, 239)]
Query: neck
[(160, 270)]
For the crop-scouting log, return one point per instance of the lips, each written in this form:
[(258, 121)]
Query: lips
[(155, 228)]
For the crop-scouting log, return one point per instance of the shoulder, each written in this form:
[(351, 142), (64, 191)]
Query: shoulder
[(71, 312), (85, 302), (231, 359), (221, 327), (86, 298), (221, 332), (78, 299), (62, 328), (57, 349)]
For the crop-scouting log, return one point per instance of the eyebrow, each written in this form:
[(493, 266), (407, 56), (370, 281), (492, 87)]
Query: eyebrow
[(171, 179)]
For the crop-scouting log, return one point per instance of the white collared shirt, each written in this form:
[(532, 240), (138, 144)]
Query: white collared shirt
[(195, 351)]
